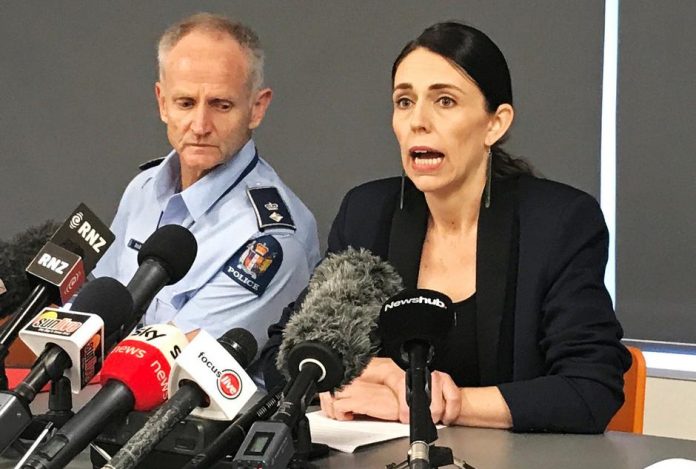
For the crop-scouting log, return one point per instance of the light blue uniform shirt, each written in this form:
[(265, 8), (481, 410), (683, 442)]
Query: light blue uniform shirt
[(243, 276)]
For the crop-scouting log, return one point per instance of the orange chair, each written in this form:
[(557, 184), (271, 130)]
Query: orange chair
[(629, 418)]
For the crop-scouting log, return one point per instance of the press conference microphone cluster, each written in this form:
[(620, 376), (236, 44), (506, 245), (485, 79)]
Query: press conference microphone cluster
[(326, 344), (66, 342), (59, 269), (208, 376), (134, 376)]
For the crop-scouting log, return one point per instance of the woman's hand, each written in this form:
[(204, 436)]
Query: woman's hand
[(446, 402), (361, 397), (380, 392), (446, 397)]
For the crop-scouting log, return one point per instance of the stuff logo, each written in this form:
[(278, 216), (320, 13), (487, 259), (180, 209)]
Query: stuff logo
[(76, 220), (229, 384)]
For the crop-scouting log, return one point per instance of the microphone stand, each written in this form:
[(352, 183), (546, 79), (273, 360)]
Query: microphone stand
[(302, 437), (59, 409), (3, 376), (422, 429)]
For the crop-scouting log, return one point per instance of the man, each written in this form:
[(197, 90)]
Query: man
[(257, 242)]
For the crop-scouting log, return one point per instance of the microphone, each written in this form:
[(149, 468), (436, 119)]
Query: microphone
[(412, 325), (164, 258), (208, 376), (134, 376), (229, 441), (326, 344), (66, 342), (15, 255), (59, 269)]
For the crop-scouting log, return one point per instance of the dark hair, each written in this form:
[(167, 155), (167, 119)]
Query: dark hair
[(481, 59)]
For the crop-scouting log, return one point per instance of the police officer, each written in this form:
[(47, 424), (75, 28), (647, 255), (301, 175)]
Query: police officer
[(257, 242)]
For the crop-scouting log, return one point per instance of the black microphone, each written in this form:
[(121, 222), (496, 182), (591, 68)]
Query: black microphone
[(164, 258), (59, 269), (412, 326), (15, 255), (229, 441), (64, 340), (326, 344), (239, 343), (134, 376)]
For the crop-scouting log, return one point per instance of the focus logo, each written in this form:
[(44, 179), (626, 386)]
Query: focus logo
[(229, 384)]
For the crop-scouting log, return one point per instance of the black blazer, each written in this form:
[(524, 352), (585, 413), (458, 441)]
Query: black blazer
[(546, 329)]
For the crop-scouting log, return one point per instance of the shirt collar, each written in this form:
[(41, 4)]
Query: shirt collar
[(167, 179), (205, 192)]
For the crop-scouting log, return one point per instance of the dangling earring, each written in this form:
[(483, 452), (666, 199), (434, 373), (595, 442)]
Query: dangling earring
[(489, 178), (403, 182)]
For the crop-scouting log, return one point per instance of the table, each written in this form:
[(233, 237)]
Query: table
[(490, 449), (493, 449)]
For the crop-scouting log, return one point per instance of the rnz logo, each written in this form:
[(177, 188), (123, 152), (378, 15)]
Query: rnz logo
[(90, 235), (76, 220), (53, 263), (419, 300)]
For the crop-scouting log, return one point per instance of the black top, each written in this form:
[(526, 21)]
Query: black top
[(458, 356), (546, 332)]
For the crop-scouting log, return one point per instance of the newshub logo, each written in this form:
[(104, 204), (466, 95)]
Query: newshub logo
[(419, 300)]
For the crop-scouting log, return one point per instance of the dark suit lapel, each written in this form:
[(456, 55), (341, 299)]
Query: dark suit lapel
[(408, 234), (493, 250), (496, 229)]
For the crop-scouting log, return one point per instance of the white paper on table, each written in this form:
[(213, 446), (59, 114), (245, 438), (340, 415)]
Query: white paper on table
[(675, 463), (348, 435)]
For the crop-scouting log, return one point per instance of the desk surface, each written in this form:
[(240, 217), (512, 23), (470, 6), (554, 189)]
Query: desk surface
[(492, 449)]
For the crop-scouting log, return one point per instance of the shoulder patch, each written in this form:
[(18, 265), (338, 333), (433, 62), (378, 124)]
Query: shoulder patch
[(255, 264), (151, 164), (271, 211)]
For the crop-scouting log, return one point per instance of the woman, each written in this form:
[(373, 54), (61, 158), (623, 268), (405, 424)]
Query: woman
[(536, 346)]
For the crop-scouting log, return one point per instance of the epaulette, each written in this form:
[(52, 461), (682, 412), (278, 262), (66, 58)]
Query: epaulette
[(152, 163), (271, 211)]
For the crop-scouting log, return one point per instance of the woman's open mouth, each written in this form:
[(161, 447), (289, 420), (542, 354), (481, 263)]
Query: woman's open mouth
[(425, 158)]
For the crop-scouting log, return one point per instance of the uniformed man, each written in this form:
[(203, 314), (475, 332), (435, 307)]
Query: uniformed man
[(257, 242)]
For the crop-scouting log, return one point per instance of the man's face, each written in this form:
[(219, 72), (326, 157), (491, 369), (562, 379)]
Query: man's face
[(206, 100)]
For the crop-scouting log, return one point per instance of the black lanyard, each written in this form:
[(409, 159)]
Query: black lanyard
[(249, 168)]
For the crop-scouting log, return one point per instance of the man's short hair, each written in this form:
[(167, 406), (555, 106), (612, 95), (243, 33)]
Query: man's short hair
[(209, 22)]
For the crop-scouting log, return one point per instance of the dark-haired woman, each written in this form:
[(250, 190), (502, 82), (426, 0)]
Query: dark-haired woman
[(536, 345)]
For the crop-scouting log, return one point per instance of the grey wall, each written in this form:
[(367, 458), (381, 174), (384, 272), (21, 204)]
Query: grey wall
[(78, 114), (656, 187)]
